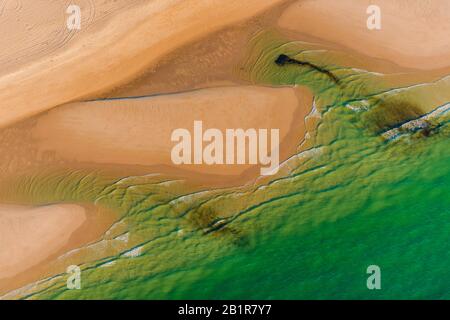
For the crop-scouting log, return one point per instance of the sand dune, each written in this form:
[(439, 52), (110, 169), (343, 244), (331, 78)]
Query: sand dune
[(29, 235), (414, 33), (138, 131), (109, 53)]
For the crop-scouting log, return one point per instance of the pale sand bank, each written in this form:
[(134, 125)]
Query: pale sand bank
[(414, 33), (33, 238), (109, 53), (138, 131), (29, 235)]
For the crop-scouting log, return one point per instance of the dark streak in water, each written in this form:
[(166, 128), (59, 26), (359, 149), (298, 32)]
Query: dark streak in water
[(284, 59)]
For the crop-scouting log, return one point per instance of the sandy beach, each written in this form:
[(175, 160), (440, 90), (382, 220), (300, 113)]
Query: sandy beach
[(413, 34), (135, 38), (137, 131), (33, 237), (29, 235)]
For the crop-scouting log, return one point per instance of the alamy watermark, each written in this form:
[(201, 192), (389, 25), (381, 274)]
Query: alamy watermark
[(374, 280), (234, 146), (73, 22), (374, 19)]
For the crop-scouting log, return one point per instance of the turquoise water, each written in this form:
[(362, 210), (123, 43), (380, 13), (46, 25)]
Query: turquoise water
[(403, 227), (399, 222)]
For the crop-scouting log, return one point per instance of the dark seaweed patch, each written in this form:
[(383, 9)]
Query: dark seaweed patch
[(203, 218), (389, 114), (427, 129), (209, 221)]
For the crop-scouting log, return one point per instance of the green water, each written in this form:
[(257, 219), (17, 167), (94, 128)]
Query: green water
[(355, 200)]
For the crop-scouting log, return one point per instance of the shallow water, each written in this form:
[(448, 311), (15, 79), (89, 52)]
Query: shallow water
[(354, 200)]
